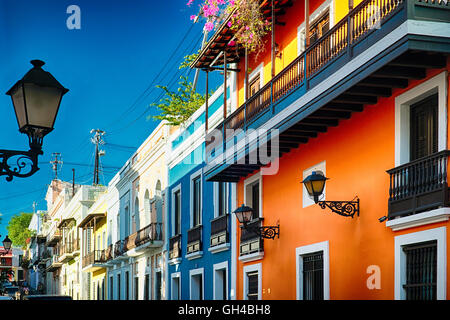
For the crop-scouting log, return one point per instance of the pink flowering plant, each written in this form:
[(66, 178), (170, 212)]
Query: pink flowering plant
[(245, 20)]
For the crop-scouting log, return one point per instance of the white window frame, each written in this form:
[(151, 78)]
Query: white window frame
[(248, 269), (195, 175), (257, 177), (217, 267), (403, 102), (438, 234), (172, 214), (307, 200), (329, 4), (303, 250), (195, 272), (172, 277), (216, 197)]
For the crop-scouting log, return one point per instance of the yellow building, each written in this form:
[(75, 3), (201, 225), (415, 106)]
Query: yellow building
[(95, 250)]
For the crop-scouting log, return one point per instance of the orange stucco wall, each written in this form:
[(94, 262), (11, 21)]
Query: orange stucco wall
[(357, 153)]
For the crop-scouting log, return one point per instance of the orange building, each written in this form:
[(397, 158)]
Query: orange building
[(366, 105)]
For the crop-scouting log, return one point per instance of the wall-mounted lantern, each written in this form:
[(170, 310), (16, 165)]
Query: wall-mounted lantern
[(315, 183), (244, 216), (6, 246), (36, 99)]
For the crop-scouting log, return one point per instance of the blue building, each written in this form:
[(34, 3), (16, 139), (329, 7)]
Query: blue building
[(200, 229)]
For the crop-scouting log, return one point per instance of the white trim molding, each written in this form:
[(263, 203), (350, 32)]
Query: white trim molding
[(257, 177), (303, 250), (251, 268), (192, 273), (197, 174), (437, 84), (217, 267), (419, 219), (438, 234), (172, 277), (172, 208)]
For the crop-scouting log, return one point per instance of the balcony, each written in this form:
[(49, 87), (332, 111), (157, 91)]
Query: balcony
[(362, 58), (109, 254), (419, 186), (53, 238), (53, 264), (76, 248), (153, 233), (251, 245), (194, 242), (175, 249), (94, 260), (118, 249), (219, 240), (66, 250)]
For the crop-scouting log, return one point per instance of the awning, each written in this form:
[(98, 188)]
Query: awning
[(89, 218)]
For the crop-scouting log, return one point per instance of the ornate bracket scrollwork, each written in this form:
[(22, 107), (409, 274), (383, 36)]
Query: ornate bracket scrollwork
[(266, 232), (19, 164), (343, 208)]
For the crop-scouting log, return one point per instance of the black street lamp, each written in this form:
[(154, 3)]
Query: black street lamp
[(315, 183), (6, 246), (244, 216), (36, 99)]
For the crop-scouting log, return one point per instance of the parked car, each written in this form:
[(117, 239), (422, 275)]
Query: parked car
[(46, 297), (11, 291), (6, 298)]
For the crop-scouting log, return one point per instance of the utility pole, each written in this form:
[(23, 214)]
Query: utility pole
[(56, 160), (97, 139)]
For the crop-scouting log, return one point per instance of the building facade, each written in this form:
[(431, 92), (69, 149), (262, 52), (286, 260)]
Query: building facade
[(362, 100), (200, 229)]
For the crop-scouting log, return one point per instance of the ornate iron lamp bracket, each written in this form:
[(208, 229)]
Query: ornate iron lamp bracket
[(266, 232), (343, 208), (20, 164)]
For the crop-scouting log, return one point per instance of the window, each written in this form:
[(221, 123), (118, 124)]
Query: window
[(421, 271), (127, 221), (222, 198), (158, 284), (253, 195), (254, 85), (146, 287), (176, 286), (111, 288), (319, 26), (421, 120), (118, 287), (252, 279), (424, 127), (313, 271), (196, 201), (177, 212), (313, 276), (127, 285), (252, 282), (196, 284), (220, 281), (136, 288)]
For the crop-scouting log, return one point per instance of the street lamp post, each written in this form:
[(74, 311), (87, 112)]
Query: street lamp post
[(36, 99)]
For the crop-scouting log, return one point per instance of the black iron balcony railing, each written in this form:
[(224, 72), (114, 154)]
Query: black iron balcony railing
[(250, 241), (419, 185), (93, 257), (340, 39), (175, 247), (219, 230), (152, 232), (194, 239)]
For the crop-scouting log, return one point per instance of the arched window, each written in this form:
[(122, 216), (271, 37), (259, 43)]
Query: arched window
[(158, 199), (147, 207), (136, 219)]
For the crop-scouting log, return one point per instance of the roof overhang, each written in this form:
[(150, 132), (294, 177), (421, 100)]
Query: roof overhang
[(90, 218), (212, 51), (65, 222)]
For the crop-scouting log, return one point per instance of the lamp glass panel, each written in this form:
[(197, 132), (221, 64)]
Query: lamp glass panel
[(239, 216), (247, 215), (317, 186), (42, 104), (19, 107), (308, 186)]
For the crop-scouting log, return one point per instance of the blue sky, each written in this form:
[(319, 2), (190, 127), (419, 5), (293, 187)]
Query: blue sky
[(110, 66)]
